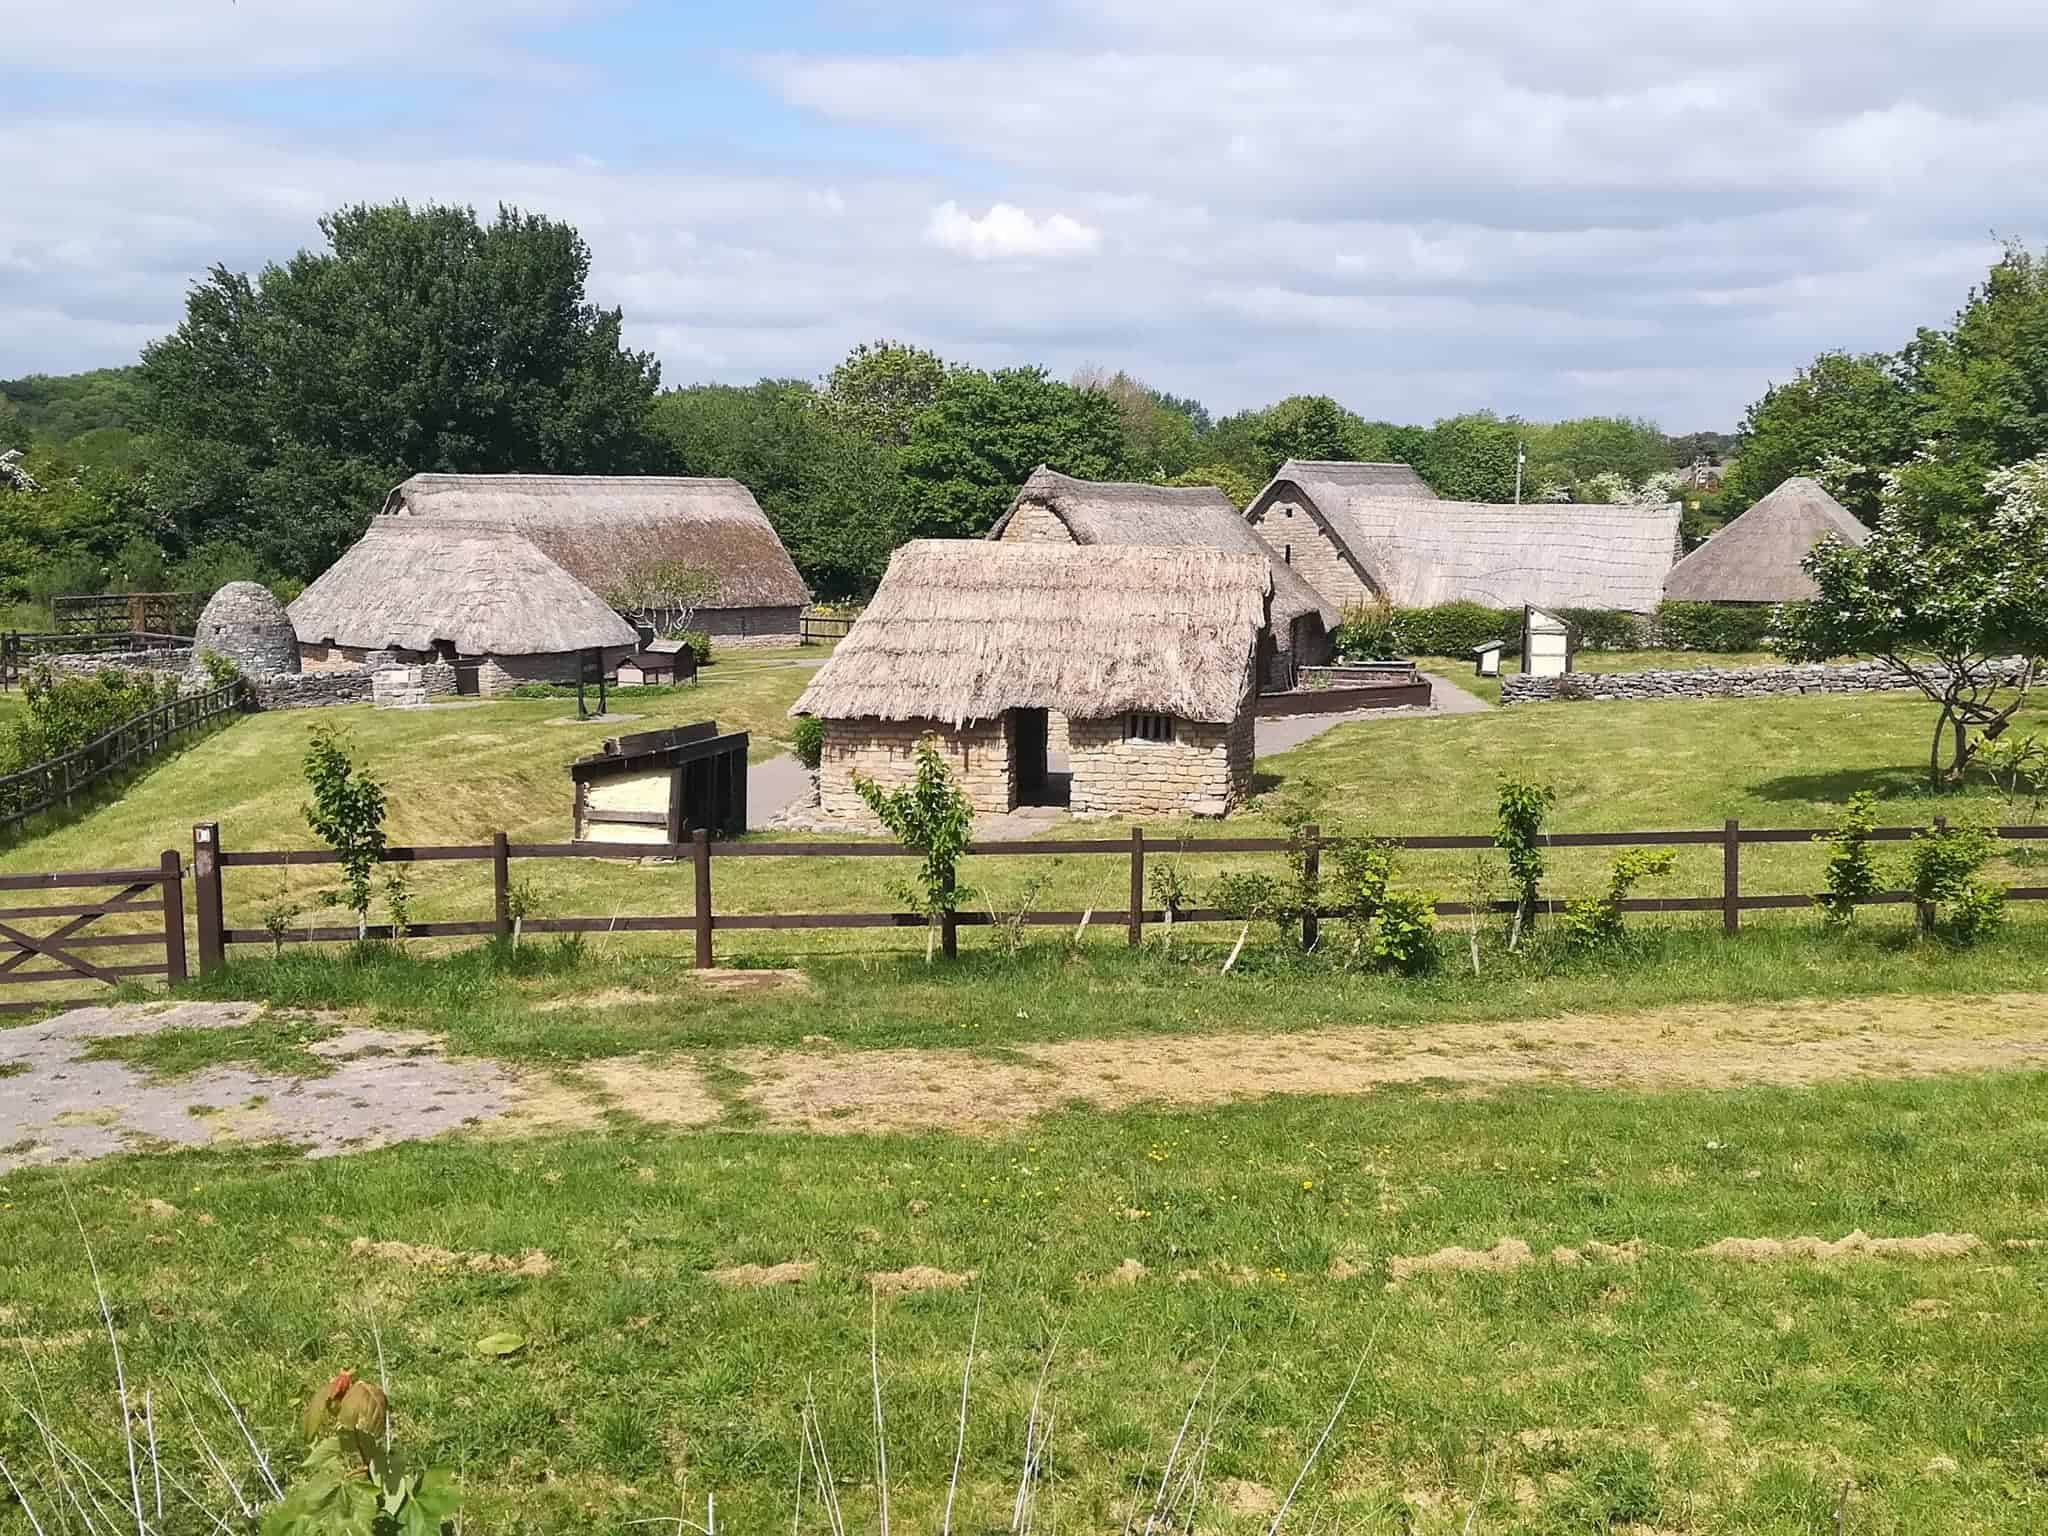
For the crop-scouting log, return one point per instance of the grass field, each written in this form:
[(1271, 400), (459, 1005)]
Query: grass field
[(1458, 669)]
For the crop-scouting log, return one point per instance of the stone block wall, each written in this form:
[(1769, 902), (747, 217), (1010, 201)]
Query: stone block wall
[(1204, 771), (1717, 682), (885, 751), (320, 689), (1299, 540), (750, 628), (501, 674), (1035, 524), (174, 662)]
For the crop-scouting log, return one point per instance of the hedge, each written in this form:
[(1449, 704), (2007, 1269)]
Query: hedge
[(1712, 627), (1453, 629)]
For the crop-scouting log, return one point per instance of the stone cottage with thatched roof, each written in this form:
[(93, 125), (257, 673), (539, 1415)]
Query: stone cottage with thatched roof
[(415, 590), (1053, 508), (1360, 536), (1147, 651), (601, 528), (1756, 558)]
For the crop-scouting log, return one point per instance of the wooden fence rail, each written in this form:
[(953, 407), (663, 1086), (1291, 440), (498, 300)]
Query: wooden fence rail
[(211, 860), (104, 612), (53, 782), (157, 893), (19, 652), (813, 627)]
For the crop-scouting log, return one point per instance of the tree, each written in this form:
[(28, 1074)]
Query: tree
[(1308, 427), (1235, 484), (1855, 408), (985, 432), (758, 434), (1982, 385), (664, 595), (1945, 594), (286, 405), (878, 390), (347, 813), (932, 818), (1160, 439), (1576, 452), (1472, 457)]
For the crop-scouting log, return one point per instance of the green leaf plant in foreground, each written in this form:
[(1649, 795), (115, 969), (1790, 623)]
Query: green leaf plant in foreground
[(354, 1480)]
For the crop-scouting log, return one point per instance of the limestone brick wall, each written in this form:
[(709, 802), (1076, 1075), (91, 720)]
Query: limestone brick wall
[(1718, 682), (1056, 742), (1204, 771), (174, 661), (749, 628), (885, 751), (501, 674), (1034, 524), (1298, 539), (328, 686)]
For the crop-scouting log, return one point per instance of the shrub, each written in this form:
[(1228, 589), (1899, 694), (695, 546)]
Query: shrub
[(807, 740), (1390, 929), (1712, 627), (1453, 629), (219, 670), (1518, 823), (346, 812), (932, 818), (63, 713), (1366, 633), (1853, 873), (698, 644), (1606, 629), (1945, 862), (1594, 922)]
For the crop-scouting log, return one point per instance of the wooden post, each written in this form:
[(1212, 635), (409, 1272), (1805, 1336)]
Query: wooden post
[(1311, 882), (174, 915), (949, 931), (501, 884), (700, 849), (1923, 911), (206, 896), (1731, 876), (1135, 930)]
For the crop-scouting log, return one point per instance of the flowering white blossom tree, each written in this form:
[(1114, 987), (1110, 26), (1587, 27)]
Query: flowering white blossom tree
[(1956, 604)]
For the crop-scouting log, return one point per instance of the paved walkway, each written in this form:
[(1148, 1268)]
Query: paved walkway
[(1286, 731), (773, 787)]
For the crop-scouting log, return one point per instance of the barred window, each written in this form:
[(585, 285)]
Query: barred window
[(1148, 728)]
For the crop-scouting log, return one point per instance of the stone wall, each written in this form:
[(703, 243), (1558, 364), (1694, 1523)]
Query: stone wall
[(319, 689), (1204, 771), (174, 662), (885, 751), (1716, 682), (750, 628), (501, 674), (1299, 540), (1035, 524)]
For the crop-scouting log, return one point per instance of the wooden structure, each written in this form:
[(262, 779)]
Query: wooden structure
[(658, 662), (115, 613), (661, 786), (1486, 658), (1550, 646), (815, 628), (211, 860), (19, 652), (46, 785), (47, 939)]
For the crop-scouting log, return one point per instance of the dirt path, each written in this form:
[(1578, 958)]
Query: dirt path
[(1668, 1048)]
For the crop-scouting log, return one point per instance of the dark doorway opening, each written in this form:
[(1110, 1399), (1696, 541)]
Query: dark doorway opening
[(1030, 747)]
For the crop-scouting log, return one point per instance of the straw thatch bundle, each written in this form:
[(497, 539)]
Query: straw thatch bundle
[(599, 528), (411, 583), (962, 630), (1755, 559), (1340, 478), (1122, 512)]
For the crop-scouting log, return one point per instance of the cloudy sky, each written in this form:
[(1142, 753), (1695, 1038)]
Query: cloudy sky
[(1420, 206)]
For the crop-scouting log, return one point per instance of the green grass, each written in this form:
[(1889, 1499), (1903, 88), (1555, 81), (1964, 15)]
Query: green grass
[(270, 1042), (1680, 1392)]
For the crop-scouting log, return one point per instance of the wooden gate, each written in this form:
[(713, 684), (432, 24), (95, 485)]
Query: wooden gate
[(62, 940)]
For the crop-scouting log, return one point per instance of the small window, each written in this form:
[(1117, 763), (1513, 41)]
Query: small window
[(1288, 557), (1148, 728)]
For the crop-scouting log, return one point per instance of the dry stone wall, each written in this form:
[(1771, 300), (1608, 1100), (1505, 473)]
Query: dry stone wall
[(1717, 682), (885, 751), (1204, 771), (317, 690), (174, 662)]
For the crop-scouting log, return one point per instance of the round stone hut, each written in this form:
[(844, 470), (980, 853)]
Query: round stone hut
[(244, 623)]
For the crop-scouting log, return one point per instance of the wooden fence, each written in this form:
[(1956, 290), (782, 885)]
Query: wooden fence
[(158, 894), (98, 613), (46, 784), (19, 652), (211, 860), (813, 627)]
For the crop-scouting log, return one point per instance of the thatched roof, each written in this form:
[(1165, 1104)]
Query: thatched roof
[(1123, 512), (963, 629), (1755, 559), (600, 527), (412, 582), (1342, 477)]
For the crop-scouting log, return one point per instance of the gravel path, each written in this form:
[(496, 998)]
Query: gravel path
[(1279, 734)]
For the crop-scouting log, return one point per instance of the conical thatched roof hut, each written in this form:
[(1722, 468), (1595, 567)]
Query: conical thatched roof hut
[(1147, 650), (1755, 559), (416, 589), (1058, 508), (600, 528)]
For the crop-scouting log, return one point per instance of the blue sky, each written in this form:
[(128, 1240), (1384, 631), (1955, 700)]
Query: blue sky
[(1420, 206)]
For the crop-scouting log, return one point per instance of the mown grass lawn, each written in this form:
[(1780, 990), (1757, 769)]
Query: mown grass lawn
[(1458, 669), (1657, 1390)]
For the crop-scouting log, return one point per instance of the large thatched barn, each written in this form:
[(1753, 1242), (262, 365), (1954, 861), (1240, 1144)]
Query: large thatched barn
[(415, 590), (1053, 508), (1755, 559), (1147, 651), (1359, 532)]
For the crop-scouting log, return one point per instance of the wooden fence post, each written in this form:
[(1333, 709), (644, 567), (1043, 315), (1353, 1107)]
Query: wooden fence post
[(1135, 930), (1311, 883), (1923, 911), (501, 884), (949, 930), (1731, 876), (174, 915), (206, 897), (700, 850)]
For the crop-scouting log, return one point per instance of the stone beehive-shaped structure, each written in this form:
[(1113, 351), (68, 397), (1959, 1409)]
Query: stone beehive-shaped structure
[(245, 624)]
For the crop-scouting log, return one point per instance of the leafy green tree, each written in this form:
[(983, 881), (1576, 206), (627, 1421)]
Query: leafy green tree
[(974, 445), (1855, 408), (1160, 439), (1227, 478), (346, 812), (878, 390), (932, 818), (1308, 427), (1575, 452), (1982, 385), (284, 406), (1472, 457), (850, 514), (758, 434)]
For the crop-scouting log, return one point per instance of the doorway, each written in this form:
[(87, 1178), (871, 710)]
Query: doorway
[(1031, 754)]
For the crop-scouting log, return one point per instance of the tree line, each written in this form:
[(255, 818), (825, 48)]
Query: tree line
[(258, 438)]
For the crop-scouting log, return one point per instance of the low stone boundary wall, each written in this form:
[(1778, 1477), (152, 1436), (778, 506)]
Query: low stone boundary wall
[(356, 685), (1717, 682), (172, 662)]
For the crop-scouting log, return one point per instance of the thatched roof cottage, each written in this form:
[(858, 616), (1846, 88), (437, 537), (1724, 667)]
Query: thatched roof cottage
[(600, 527), (1053, 508), (1147, 651), (415, 590), (1356, 539), (1755, 559)]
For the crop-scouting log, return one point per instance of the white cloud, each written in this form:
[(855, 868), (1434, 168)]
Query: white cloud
[(1007, 233)]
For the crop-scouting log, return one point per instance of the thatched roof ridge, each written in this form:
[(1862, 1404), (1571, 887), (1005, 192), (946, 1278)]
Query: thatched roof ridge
[(1559, 555), (412, 583), (1374, 479), (963, 629), (1127, 512), (1755, 558), (599, 527)]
